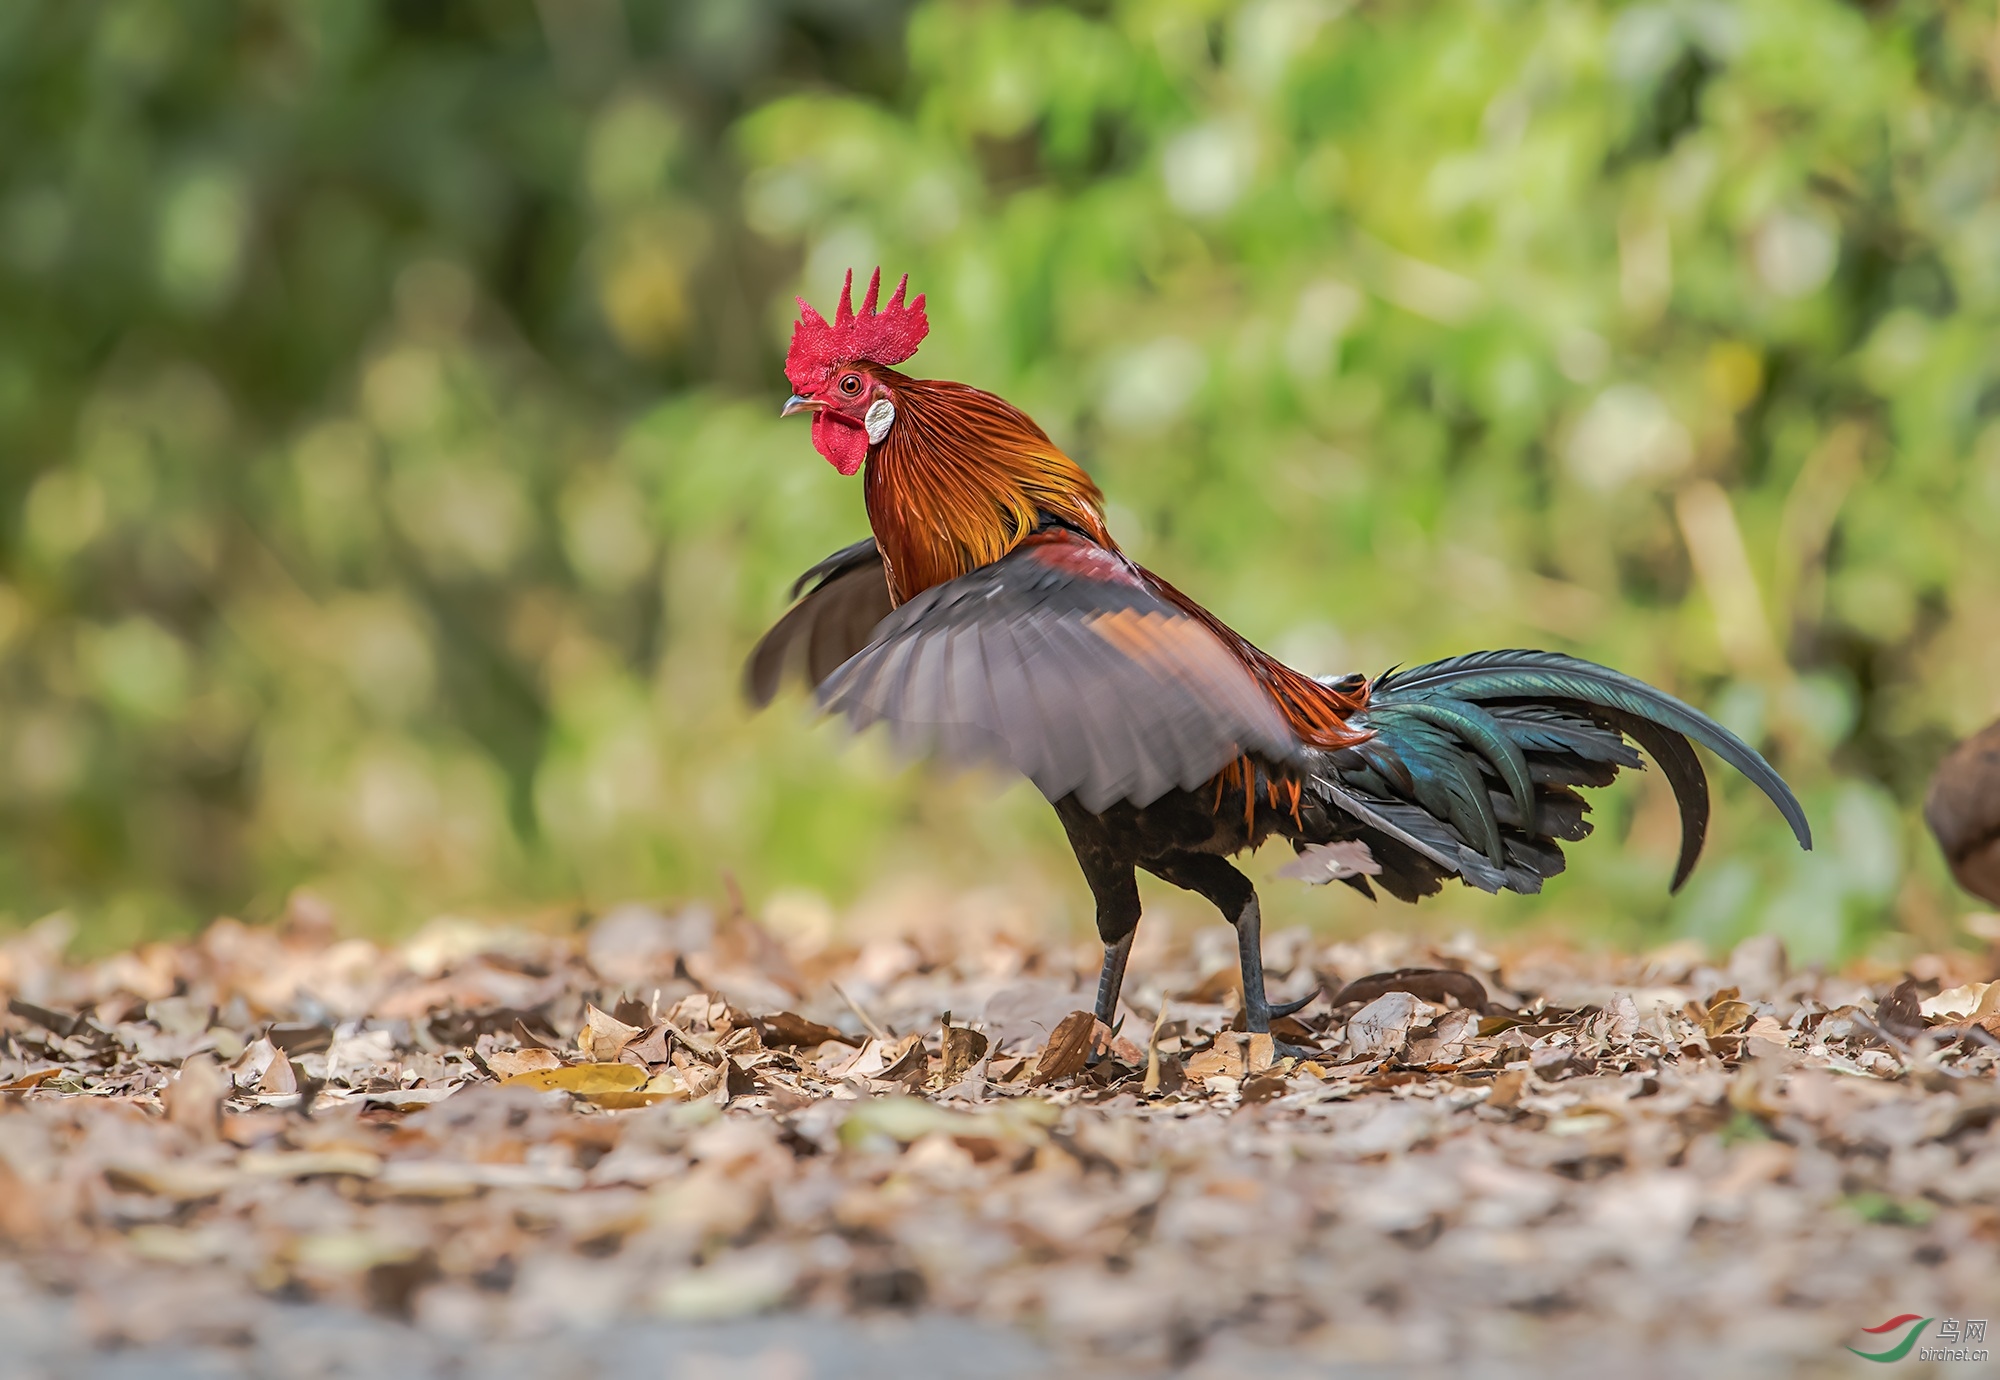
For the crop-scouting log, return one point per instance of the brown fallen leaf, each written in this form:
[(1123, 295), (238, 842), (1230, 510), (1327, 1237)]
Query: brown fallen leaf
[(1381, 1027), (910, 1064), (1259, 1053), (280, 1079), (700, 1044), (1433, 985), (1901, 1012), (63, 1023), (1215, 987), (534, 1033), (653, 1047), (789, 1030), (700, 1080), (506, 1063), (1507, 1088), (1223, 1059), (1151, 1085), (1263, 1087), (1728, 1016), (30, 1080), (959, 1050), (194, 1099), (300, 1038), (603, 1036), (1068, 1049)]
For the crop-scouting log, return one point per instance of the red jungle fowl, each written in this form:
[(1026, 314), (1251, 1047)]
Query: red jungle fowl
[(991, 617)]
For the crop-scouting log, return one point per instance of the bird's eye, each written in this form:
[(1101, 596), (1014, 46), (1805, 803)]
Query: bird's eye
[(851, 385)]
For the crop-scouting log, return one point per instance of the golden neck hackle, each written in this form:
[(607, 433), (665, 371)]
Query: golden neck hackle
[(963, 478)]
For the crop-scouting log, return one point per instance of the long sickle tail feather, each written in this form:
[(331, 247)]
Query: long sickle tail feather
[(1459, 694)]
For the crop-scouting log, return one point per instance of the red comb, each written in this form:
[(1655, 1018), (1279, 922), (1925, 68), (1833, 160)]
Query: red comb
[(888, 336)]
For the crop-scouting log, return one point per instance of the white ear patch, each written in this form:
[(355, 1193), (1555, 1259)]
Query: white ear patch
[(880, 417)]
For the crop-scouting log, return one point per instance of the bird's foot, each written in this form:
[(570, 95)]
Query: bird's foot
[(1292, 1008), (1283, 1049)]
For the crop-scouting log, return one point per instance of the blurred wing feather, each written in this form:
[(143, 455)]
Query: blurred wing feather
[(1061, 662), (826, 627)]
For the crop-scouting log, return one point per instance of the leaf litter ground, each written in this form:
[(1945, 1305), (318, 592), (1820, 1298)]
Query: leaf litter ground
[(1457, 1160)]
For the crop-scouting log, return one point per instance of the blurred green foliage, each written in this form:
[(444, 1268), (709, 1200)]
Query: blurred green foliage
[(390, 481)]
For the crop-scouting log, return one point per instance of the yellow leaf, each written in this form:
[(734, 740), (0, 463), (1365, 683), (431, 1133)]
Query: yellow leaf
[(586, 1079)]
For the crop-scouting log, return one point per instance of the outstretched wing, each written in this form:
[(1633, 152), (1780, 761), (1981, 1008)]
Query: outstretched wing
[(849, 596), (1060, 661)]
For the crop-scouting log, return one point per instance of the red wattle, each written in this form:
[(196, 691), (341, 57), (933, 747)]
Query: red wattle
[(844, 444)]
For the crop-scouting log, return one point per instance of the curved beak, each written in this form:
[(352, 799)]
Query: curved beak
[(796, 404)]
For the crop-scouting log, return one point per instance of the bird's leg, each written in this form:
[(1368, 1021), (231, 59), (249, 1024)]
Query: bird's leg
[(1111, 977), (1258, 1013), (1249, 922), (1116, 888), (1232, 894)]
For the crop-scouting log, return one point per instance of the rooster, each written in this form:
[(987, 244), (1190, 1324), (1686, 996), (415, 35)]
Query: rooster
[(992, 617)]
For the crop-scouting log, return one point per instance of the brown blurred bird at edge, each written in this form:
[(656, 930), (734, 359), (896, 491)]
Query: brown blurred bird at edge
[(1962, 808), (991, 617)]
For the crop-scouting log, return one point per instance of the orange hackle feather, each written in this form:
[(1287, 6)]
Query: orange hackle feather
[(961, 480), (964, 477)]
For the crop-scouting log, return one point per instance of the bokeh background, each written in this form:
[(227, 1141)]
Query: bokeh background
[(391, 482)]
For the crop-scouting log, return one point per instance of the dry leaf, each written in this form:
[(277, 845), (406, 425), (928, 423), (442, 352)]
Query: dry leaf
[(297, 1038), (1726, 1017), (194, 1099), (30, 1080), (506, 1063), (960, 1050), (1970, 1000), (1901, 1012), (700, 1080), (1223, 1059), (1260, 1052), (603, 1036), (627, 1099), (1507, 1088), (910, 1064), (1434, 985), (280, 1078), (1263, 1087), (582, 1079), (1068, 1049), (788, 1030), (1379, 1029), (745, 1172)]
